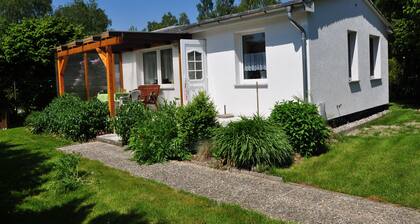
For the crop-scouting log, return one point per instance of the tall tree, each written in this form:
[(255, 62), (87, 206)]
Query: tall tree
[(205, 10), (86, 13), (12, 11), (225, 7), (404, 46), (183, 19), (255, 4), (168, 19), (28, 50)]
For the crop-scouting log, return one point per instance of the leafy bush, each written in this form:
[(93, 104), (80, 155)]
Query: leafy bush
[(72, 118), (306, 129), (252, 142), (36, 122), (155, 140), (128, 116), (67, 176), (196, 121)]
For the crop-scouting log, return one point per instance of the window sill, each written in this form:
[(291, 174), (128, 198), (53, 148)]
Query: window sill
[(375, 78), (167, 87), (354, 81), (251, 86)]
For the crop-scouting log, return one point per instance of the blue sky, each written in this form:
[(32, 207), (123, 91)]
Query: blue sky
[(125, 13)]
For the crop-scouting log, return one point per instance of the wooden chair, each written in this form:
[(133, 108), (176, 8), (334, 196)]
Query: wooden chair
[(149, 94)]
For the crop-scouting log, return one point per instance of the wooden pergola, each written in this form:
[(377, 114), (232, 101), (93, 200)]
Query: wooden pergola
[(106, 45)]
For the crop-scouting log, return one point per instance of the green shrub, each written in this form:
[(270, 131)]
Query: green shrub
[(306, 129), (155, 140), (128, 116), (252, 142), (196, 121), (36, 122), (67, 176), (72, 118)]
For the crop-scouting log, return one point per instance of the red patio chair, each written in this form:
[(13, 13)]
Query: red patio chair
[(149, 94)]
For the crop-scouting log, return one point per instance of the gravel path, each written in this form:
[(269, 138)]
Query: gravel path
[(266, 195)]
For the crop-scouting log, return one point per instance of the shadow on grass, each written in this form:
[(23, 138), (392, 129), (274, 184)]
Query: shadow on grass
[(20, 175), (21, 171)]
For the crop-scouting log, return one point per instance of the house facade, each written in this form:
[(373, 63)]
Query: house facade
[(333, 53)]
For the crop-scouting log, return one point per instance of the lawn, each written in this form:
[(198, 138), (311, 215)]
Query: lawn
[(381, 161), (109, 195)]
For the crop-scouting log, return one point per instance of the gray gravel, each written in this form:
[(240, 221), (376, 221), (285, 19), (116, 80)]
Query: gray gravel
[(266, 195)]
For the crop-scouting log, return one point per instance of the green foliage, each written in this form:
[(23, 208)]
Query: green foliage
[(306, 129), (155, 139), (67, 176), (36, 122), (404, 46), (130, 115), (225, 7), (252, 142), (168, 20), (254, 4), (205, 10), (196, 121), (13, 11), (71, 118), (86, 13), (28, 50)]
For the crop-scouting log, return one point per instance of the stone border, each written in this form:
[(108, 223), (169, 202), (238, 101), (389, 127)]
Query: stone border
[(355, 124)]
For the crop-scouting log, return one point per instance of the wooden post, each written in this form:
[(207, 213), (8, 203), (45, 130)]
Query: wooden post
[(121, 71), (107, 58), (61, 66), (86, 64), (110, 74)]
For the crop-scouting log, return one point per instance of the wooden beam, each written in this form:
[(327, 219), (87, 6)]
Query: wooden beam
[(61, 66), (91, 46), (102, 55), (121, 71), (86, 64), (110, 77), (180, 73)]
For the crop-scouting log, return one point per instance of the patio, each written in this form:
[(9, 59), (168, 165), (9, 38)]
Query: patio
[(94, 65)]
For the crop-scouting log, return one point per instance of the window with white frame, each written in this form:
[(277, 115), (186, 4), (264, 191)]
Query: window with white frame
[(352, 55), (195, 65), (254, 56), (374, 57), (158, 67)]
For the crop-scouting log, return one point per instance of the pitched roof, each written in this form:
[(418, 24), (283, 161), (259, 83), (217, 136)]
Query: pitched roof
[(256, 12)]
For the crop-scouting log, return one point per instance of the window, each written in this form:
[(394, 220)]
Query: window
[(166, 66), (253, 56), (150, 68), (374, 58), (195, 65), (158, 67), (352, 55)]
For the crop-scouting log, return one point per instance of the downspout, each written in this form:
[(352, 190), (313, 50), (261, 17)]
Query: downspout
[(304, 53)]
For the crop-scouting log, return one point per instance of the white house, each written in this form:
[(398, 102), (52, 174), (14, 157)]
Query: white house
[(333, 53)]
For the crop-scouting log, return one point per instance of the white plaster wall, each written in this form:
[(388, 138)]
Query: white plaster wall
[(283, 58), (133, 73), (330, 84)]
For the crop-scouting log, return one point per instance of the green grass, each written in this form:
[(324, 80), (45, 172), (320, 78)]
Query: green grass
[(380, 167), (109, 196)]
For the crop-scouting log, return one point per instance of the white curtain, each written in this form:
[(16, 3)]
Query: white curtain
[(150, 68), (254, 62)]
